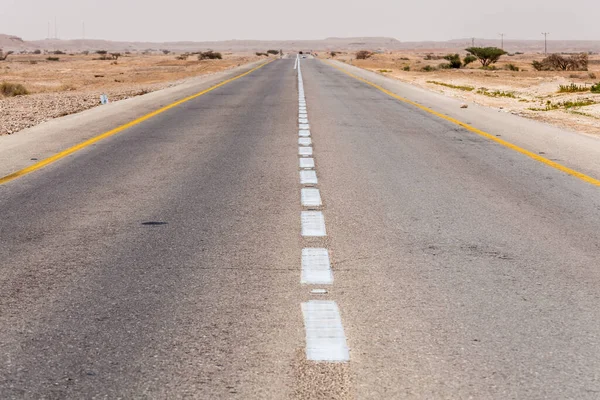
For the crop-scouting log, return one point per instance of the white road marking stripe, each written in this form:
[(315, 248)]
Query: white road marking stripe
[(307, 163), (305, 141), (302, 114), (304, 126), (325, 338), (316, 268), (303, 120), (305, 151), (313, 222), (310, 197), (308, 177), (304, 133)]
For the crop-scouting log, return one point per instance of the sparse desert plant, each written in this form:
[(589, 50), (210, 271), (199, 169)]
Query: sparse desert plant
[(572, 88), (58, 52), (8, 89), (383, 71), (448, 85), (592, 75), (38, 51), (102, 52), (274, 52), (261, 54), (595, 88), (115, 56), (183, 56), (363, 54), (333, 54), (486, 55), (3, 55), (469, 59), (53, 58), (406, 68), (512, 67), (166, 52), (210, 55), (453, 61), (428, 68), (556, 62)]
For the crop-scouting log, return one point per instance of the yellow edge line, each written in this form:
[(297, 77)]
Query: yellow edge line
[(468, 127), (82, 145)]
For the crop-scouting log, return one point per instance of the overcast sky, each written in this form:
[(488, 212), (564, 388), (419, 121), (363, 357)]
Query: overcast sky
[(198, 20)]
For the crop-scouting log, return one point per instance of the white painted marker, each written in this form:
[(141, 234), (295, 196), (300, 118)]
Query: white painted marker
[(304, 133), (304, 141), (325, 337), (305, 151), (313, 222), (308, 177), (310, 197), (303, 120), (316, 268), (304, 126), (307, 163)]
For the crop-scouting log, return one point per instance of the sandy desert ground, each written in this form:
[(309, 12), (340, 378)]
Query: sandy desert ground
[(75, 83), (525, 92)]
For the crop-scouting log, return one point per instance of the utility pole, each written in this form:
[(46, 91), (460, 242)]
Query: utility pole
[(472, 42), (545, 41), (83, 30), (48, 37), (502, 40)]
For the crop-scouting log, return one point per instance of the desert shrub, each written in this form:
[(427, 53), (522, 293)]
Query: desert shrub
[(404, 58), (383, 71), (166, 52), (406, 68), (496, 93), (3, 55), (58, 52), (333, 54), (518, 52), (363, 54), (453, 61), (592, 75), (595, 88), (274, 52), (102, 52), (115, 56), (53, 58), (469, 59), (572, 88), (430, 56), (38, 51), (261, 54), (12, 89), (428, 68), (85, 52), (210, 55), (556, 62), (183, 56), (486, 55), (512, 67)]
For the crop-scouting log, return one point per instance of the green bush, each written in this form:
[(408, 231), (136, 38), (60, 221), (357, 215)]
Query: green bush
[(406, 68), (469, 59), (512, 67), (454, 61), (486, 55), (596, 88), (572, 88), (12, 89), (428, 68), (53, 58)]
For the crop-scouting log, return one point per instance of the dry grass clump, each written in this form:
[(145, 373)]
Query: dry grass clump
[(8, 89)]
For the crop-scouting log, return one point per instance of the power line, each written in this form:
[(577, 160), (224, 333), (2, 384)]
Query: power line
[(545, 41)]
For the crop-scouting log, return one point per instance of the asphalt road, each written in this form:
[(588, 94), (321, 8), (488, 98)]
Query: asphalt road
[(164, 262)]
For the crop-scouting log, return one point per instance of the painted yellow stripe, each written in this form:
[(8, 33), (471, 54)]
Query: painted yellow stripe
[(468, 127), (77, 147)]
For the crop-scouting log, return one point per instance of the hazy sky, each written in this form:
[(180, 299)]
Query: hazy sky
[(171, 20)]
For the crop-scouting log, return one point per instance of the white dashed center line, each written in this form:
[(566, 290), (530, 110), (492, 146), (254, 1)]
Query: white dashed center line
[(308, 177), (304, 132), (305, 151), (316, 268), (310, 197), (307, 163), (325, 338), (313, 223), (304, 141)]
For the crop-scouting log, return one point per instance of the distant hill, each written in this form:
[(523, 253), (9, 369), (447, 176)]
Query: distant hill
[(8, 42)]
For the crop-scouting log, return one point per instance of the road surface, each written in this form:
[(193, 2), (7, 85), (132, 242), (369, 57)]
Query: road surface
[(165, 261)]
